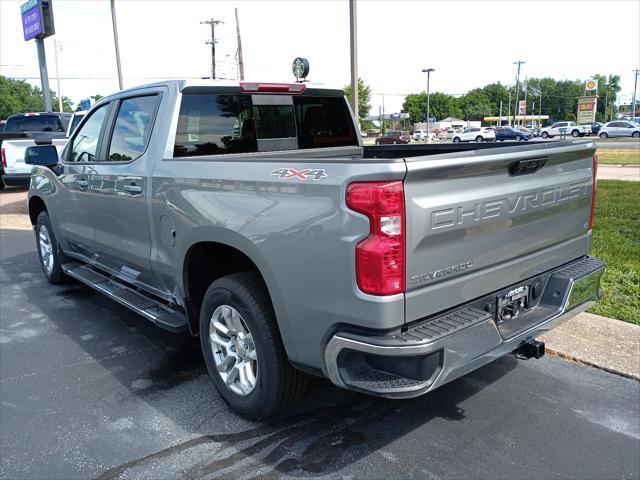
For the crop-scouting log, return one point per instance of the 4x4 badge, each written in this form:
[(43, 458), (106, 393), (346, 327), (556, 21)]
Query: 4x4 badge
[(290, 173)]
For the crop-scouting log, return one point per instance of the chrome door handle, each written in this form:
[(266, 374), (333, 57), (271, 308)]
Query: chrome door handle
[(82, 184), (133, 188)]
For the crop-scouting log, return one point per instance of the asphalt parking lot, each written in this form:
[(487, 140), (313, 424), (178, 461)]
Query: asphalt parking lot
[(89, 389)]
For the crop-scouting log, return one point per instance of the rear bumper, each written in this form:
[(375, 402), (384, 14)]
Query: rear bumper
[(16, 179), (434, 352)]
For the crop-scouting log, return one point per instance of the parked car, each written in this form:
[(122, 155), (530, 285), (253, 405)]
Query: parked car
[(479, 134), (620, 128), (2, 124), (508, 133), (393, 137), (421, 135), (564, 128), (289, 247), (15, 172)]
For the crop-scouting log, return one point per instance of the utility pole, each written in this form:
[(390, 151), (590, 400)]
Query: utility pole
[(115, 41), (500, 115), (240, 59), (212, 42), (509, 109), (526, 90), (428, 72), (515, 113), (353, 40), (55, 54), (635, 90)]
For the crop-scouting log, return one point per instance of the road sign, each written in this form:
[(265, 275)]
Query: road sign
[(85, 104), (37, 19), (32, 24)]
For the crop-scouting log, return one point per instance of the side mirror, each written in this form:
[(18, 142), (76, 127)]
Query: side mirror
[(45, 155)]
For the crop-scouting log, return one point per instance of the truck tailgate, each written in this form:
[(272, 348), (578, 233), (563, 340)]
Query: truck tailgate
[(486, 219)]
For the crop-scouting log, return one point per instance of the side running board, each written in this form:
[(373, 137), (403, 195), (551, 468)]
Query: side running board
[(150, 308)]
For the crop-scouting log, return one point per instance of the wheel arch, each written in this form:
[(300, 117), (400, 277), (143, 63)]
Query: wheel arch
[(211, 254), (36, 206)]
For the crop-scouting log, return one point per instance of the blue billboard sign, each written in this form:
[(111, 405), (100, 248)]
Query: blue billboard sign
[(32, 22), (85, 104)]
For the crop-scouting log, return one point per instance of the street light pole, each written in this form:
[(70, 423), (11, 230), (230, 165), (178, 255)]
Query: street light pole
[(606, 100), (115, 41), (353, 37), (635, 89), (428, 72), (515, 111)]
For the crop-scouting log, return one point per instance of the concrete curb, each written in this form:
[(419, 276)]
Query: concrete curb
[(604, 343)]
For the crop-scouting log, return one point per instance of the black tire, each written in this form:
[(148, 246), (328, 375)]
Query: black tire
[(1, 182), (277, 385), (479, 139), (54, 272), (456, 140), (604, 135), (518, 138), (575, 133), (544, 135), (635, 134)]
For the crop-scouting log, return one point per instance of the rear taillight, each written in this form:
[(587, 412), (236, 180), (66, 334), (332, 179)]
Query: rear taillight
[(4, 157), (593, 192), (380, 258)]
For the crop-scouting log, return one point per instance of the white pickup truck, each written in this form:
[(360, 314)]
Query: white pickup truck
[(565, 128), (17, 173)]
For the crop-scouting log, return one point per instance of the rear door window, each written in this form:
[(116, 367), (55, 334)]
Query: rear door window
[(132, 128), (211, 124), (323, 122)]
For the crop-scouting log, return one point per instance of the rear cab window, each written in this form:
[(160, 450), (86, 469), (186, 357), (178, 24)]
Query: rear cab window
[(220, 123), (35, 123)]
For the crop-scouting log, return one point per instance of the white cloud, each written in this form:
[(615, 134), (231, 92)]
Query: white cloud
[(469, 43)]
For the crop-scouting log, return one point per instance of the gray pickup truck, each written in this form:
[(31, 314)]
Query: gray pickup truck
[(250, 214)]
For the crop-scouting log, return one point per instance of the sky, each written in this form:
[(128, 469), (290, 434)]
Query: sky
[(469, 43)]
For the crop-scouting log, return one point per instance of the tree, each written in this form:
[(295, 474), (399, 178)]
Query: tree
[(608, 88), (364, 98), (476, 105), (441, 106), (18, 96)]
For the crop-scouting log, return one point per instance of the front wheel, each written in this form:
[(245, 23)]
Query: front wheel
[(635, 134), (51, 258), (243, 350), (604, 135), (544, 135)]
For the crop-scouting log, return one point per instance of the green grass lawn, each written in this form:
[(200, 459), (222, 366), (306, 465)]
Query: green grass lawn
[(616, 240), (624, 156)]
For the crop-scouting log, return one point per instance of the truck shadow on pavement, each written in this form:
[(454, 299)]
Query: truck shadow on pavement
[(329, 430)]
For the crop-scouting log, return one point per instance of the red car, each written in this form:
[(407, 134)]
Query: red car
[(393, 137)]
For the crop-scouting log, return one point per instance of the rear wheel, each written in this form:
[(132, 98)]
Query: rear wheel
[(1, 182), (479, 139), (242, 348), (456, 140), (635, 134), (518, 138), (575, 133), (51, 258), (544, 135), (604, 135)]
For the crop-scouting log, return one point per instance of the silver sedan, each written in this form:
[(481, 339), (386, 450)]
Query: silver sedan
[(620, 128)]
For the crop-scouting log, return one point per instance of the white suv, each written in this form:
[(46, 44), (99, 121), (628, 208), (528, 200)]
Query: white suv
[(564, 128), (479, 134)]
